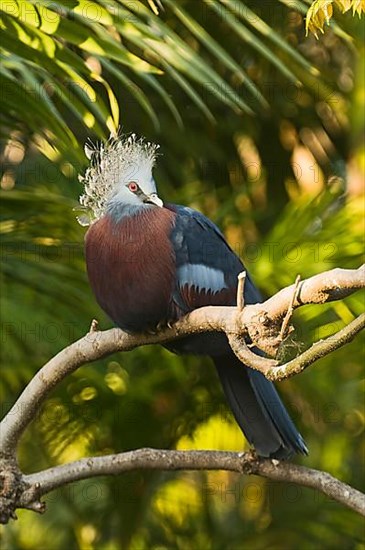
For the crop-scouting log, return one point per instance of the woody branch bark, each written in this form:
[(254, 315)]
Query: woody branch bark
[(156, 459), (260, 322), (265, 324)]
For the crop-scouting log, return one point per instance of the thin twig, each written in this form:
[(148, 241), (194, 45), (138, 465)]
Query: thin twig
[(284, 327), (94, 325), (241, 291)]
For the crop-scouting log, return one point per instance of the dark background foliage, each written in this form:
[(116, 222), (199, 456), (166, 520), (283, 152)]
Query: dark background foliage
[(261, 129)]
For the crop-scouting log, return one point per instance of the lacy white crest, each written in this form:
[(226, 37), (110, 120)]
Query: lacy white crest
[(112, 164)]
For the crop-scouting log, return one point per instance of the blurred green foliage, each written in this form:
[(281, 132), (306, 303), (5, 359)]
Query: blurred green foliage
[(285, 184)]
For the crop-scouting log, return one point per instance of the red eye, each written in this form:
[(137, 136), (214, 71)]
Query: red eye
[(132, 186)]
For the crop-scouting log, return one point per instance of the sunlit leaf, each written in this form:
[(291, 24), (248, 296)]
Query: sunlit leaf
[(321, 12)]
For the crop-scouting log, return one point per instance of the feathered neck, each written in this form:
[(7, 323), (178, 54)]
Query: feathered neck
[(119, 211)]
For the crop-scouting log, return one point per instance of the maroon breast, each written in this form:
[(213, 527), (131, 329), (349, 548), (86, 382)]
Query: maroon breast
[(131, 267)]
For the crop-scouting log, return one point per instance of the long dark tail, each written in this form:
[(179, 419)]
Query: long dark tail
[(258, 410)]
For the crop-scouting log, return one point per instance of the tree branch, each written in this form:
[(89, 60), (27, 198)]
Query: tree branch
[(156, 459), (261, 323), (275, 372)]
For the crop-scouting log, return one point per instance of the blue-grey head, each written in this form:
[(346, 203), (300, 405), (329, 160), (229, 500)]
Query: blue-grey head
[(119, 175)]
